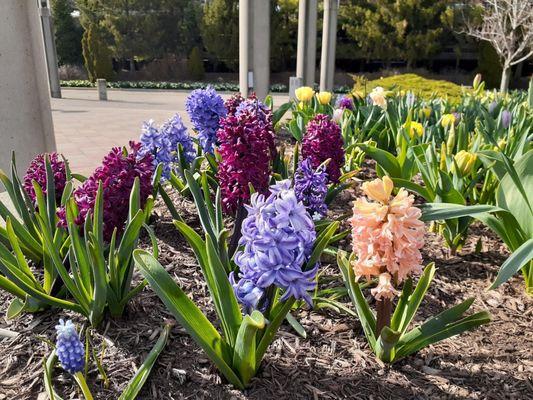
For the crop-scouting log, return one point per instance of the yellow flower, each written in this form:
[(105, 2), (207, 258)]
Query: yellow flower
[(447, 120), (501, 145), (358, 94), (379, 190), (304, 93), (426, 112), (323, 97), (477, 81), (415, 128), (465, 161)]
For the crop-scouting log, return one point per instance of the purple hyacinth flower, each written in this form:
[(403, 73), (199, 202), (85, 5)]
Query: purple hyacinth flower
[(344, 102), (69, 349), (311, 188), (277, 239), (205, 108), (37, 172), (506, 118)]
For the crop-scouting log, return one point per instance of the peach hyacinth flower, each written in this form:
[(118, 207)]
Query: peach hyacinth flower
[(387, 236)]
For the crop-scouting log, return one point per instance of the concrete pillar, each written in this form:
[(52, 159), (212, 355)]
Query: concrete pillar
[(244, 45), (306, 51), (50, 49), (329, 41), (254, 47), (102, 89), (25, 115)]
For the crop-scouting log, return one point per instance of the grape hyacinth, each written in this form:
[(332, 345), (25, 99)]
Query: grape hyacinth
[(322, 141), (246, 149), (277, 238), (69, 349), (117, 174), (311, 188), (205, 108), (37, 172), (163, 143)]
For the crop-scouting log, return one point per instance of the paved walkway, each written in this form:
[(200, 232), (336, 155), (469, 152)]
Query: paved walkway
[(87, 128)]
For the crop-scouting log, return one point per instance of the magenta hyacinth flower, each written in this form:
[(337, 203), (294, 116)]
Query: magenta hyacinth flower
[(232, 103), (246, 145), (322, 141), (117, 174), (37, 172)]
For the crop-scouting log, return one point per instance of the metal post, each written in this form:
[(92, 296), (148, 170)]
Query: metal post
[(244, 45), (50, 49), (329, 40)]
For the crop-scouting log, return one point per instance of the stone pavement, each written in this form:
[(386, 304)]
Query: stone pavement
[(86, 128)]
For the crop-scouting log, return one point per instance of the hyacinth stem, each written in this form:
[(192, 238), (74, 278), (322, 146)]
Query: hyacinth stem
[(234, 242), (384, 314), (82, 383)]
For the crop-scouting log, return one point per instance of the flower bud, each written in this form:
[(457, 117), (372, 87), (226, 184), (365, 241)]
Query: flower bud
[(443, 157), (304, 93), (337, 115), (450, 143), (415, 128), (447, 120), (477, 81), (324, 97), (465, 161), (506, 119), (424, 112)]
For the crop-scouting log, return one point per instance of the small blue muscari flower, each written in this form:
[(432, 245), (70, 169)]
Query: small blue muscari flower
[(205, 108), (277, 239), (69, 349), (311, 188)]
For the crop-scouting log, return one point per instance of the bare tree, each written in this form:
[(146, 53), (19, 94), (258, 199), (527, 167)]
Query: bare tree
[(508, 26)]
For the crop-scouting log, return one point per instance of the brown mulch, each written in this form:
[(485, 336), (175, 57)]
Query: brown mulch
[(334, 362)]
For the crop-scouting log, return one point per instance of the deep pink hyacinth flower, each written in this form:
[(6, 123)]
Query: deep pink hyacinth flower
[(387, 236), (37, 172), (322, 141), (246, 144), (117, 174)]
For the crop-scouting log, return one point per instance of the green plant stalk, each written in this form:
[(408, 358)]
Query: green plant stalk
[(82, 383)]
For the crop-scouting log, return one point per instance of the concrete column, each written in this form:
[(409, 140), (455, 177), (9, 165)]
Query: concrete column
[(102, 89), (25, 115), (306, 52), (260, 60), (244, 45), (50, 49), (329, 41), (254, 47)]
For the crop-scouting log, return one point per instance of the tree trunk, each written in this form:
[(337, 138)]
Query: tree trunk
[(506, 77)]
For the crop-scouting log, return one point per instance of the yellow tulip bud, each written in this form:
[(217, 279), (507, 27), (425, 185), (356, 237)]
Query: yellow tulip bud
[(447, 120), (415, 128), (443, 153), (323, 97), (465, 161), (450, 143), (304, 93), (425, 112)]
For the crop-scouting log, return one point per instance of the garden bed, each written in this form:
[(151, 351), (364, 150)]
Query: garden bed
[(334, 362)]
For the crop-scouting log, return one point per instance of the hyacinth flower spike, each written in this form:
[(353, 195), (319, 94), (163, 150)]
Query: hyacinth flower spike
[(274, 267), (71, 354), (387, 236)]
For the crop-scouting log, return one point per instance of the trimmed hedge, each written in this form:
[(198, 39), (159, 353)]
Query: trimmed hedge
[(423, 87)]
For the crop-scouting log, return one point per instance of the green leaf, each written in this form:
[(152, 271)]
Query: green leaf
[(385, 160), (514, 263), (187, 314), (280, 112), (443, 211), (48, 367), (413, 187), (321, 243), (366, 316), (300, 330), (244, 356), (416, 298), (139, 379)]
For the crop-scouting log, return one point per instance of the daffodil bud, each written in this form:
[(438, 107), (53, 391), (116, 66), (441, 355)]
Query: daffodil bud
[(450, 143), (443, 153)]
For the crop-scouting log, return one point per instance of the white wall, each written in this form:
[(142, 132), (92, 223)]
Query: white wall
[(25, 114)]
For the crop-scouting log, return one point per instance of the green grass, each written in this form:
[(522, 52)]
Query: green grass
[(423, 87)]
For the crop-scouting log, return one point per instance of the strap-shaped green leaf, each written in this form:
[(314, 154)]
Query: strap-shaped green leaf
[(514, 263), (244, 356), (321, 243), (203, 213), (139, 379), (366, 316), (416, 298), (187, 314), (385, 159)]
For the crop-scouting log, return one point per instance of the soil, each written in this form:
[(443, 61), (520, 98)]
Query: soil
[(333, 362)]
